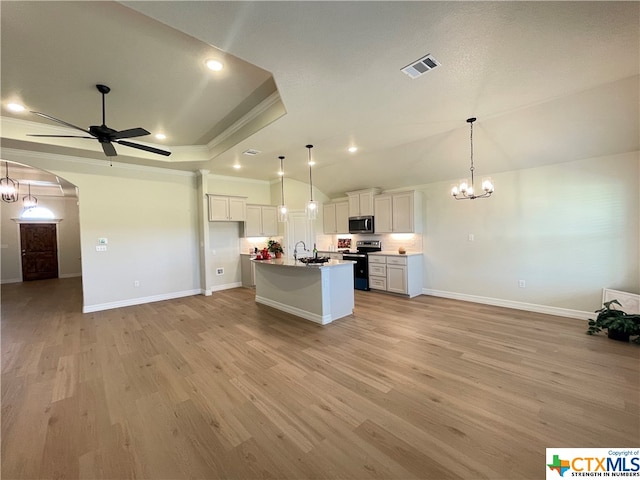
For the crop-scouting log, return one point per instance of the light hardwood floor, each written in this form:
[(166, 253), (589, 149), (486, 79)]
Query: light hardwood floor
[(221, 387)]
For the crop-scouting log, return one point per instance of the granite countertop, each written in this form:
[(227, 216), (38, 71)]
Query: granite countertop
[(289, 262), (394, 253)]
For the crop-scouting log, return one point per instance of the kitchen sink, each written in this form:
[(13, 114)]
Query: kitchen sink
[(312, 260)]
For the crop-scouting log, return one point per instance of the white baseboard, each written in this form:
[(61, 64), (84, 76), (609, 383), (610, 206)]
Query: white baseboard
[(529, 307), (11, 280), (139, 301), (226, 286), (69, 275), (298, 312)]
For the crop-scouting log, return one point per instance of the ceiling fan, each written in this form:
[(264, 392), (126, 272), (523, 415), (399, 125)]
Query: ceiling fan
[(105, 135)]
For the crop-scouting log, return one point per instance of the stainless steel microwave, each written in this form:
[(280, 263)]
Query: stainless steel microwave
[(361, 224)]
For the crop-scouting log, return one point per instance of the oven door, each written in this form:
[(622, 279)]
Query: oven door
[(360, 270)]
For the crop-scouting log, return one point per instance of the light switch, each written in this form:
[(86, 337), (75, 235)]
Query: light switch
[(101, 248)]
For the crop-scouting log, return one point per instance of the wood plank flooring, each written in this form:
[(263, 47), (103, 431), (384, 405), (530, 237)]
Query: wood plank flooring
[(221, 387)]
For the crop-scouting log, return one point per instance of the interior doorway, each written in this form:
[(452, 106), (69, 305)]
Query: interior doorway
[(39, 251)]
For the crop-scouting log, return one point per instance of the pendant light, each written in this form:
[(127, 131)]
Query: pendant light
[(464, 191), (9, 187), (312, 206), (282, 208), (29, 201)]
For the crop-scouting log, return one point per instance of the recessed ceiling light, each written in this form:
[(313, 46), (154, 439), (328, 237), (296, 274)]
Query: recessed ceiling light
[(15, 107), (251, 152), (353, 149), (214, 65), (161, 136), (236, 166)]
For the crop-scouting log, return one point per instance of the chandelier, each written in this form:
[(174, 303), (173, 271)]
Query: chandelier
[(282, 208), (464, 191), (312, 205), (9, 187), (29, 201)]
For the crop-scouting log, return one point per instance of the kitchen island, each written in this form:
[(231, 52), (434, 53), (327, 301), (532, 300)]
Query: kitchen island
[(321, 293)]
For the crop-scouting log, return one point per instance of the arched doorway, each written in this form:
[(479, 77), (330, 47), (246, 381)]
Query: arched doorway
[(54, 250)]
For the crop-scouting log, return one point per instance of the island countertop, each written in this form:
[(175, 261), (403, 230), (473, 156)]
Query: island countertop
[(289, 262)]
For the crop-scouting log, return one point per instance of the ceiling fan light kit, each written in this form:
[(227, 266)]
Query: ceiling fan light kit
[(464, 190), (105, 135)]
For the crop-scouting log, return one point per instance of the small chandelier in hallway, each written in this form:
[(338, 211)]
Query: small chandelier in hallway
[(282, 208), (29, 201), (464, 191), (9, 187)]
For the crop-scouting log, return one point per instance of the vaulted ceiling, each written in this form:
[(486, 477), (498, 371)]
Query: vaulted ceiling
[(548, 81)]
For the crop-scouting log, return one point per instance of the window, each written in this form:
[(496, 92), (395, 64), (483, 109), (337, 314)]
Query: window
[(37, 213)]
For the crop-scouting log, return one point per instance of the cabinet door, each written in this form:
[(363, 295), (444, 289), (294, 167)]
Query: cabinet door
[(218, 208), (237, 209), (397, 279), (383, 219), (329, 218), (253, 223), (342, 217), (366, 203), (354, 205), (402, 213), (269, 221)]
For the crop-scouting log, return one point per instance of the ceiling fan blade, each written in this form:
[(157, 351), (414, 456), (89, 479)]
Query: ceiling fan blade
[(109, 149), (58, 136), (143, 147), (132, 132), (49, 117)]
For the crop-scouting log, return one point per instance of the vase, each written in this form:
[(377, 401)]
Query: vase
[(278, 254), (617, 335)]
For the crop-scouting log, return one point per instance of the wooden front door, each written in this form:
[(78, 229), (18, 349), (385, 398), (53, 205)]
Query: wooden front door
[(39, 251)]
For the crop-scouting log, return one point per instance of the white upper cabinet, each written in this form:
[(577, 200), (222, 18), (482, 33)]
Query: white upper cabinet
[(398, 212), (262, 221), (361, 202), (335, 217), (224, 208)]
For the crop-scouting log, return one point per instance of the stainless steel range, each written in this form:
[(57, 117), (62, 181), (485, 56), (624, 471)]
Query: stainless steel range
[(361, 267)]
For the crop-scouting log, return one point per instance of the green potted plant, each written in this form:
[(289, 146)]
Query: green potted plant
[(619, 324), (274, 247)]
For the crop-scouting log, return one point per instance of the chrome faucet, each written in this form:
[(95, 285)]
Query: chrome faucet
[(295, 250)]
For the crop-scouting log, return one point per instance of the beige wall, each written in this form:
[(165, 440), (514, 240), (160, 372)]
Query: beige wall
[(568, 230)]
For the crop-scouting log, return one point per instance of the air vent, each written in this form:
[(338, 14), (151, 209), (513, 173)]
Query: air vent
[(251, 152), (420, 67)]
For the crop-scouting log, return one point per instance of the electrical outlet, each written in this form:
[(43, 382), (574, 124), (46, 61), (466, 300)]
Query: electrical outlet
[(136, 283), (521, 283), (471, 237), (101, 248), (219, 271)]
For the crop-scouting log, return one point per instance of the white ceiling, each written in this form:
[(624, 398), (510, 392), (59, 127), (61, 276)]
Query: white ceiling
[(548, 81)]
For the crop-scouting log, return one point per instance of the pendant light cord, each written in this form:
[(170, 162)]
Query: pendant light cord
[(310, 181)]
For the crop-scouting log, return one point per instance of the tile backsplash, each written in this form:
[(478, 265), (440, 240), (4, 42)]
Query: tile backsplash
[(412, 242)]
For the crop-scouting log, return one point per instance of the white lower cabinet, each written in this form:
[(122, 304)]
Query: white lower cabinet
[(396, 273)]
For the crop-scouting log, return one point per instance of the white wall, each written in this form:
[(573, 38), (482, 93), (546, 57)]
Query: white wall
[(568, 230)]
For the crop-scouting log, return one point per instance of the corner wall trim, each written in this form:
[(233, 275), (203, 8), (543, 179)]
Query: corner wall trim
[(138, 301), (529, 307)]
